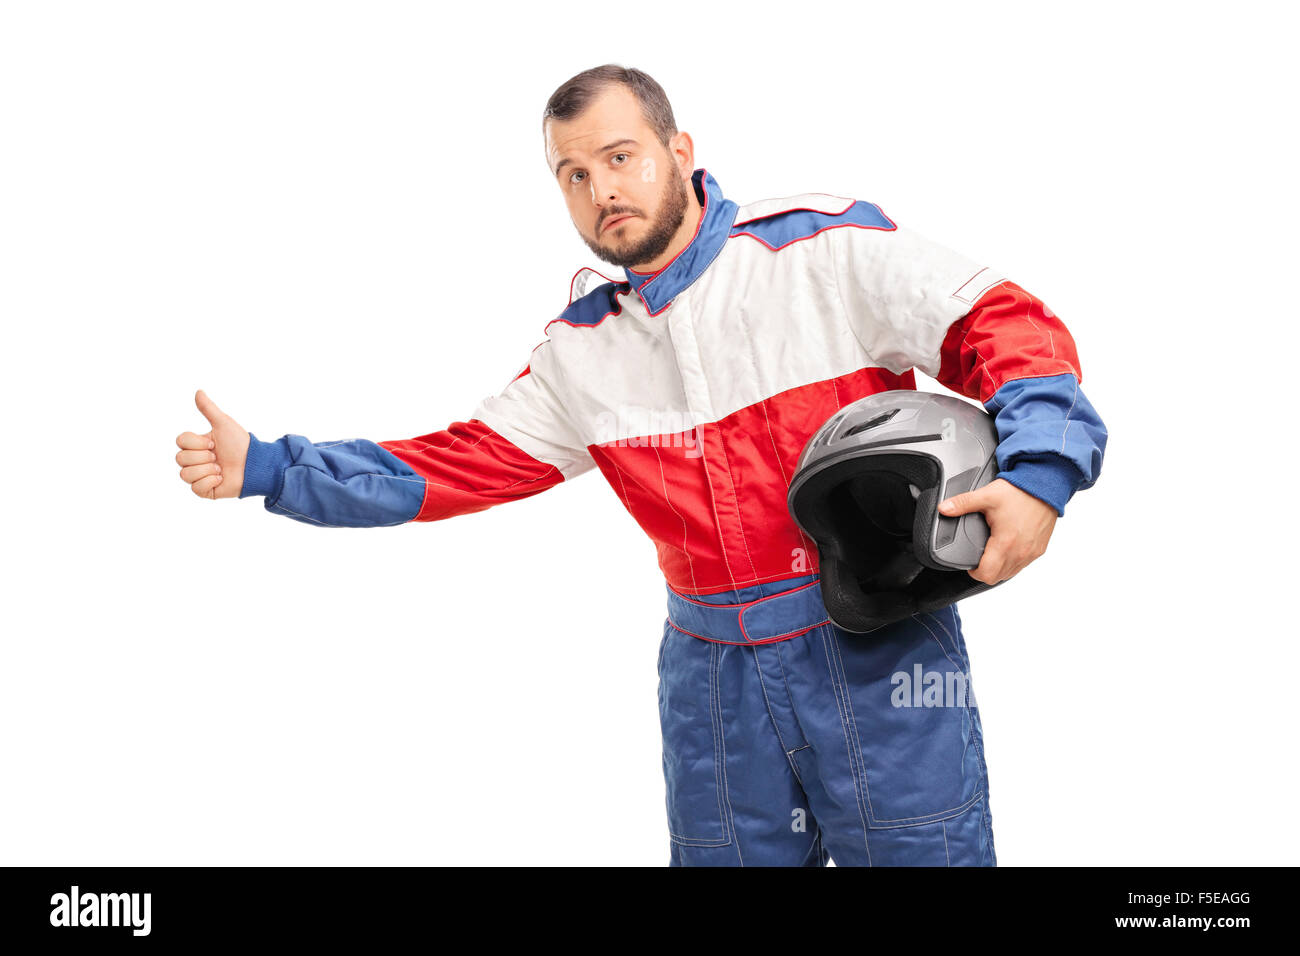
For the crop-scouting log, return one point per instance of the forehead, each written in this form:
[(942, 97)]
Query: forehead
[(613, 114)]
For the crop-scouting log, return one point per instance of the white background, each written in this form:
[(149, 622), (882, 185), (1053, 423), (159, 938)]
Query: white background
[(336, 219)]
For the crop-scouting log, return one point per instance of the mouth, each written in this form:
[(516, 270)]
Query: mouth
[(615, 221)]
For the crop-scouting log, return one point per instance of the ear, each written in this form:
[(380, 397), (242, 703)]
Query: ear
[(682, 149)]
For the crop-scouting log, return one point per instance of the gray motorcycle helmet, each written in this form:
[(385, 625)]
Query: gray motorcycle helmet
[(867, 490)]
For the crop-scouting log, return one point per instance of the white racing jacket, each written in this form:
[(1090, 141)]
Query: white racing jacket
[(694, 390)]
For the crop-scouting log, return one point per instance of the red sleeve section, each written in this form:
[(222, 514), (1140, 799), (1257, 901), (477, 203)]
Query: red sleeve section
[(468, 467), (1008, 334)]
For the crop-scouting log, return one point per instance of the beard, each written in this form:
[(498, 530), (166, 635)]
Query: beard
[(672, 210)]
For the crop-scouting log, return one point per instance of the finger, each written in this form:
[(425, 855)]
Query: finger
[(193, 473), (963, 503), (206, 487), (195, 457), (991, 564), (209, 408), (191, 440)]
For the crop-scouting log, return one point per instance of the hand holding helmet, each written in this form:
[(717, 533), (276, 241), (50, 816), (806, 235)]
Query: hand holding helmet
[(1020, 527), (867, 490)]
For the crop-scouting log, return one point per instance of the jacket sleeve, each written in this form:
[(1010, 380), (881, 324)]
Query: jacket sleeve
[(515, 444), (913, 303)]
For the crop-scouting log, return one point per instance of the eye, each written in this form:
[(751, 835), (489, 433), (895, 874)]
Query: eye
[(576, 172), (617, 155)]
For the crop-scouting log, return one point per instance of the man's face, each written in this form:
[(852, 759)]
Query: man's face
[(626, 193)]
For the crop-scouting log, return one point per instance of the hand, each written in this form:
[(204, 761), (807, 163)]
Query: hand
[(1019, 527), (213, 463)]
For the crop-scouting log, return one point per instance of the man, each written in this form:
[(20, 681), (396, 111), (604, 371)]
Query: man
[(693, 384)]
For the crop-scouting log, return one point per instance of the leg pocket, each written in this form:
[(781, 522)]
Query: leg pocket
[(903, 693), (961, 840), (690, 716)]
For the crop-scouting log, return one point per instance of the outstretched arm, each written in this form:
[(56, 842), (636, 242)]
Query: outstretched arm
[(515, 445)]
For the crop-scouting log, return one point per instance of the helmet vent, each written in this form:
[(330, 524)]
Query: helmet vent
[(878, 420)]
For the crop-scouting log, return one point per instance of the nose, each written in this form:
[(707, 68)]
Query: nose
[(604, 191)]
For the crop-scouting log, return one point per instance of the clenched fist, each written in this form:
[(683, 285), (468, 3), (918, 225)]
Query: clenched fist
[(213, 463)]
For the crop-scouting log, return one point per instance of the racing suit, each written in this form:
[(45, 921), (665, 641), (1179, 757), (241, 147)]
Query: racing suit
[(694, 390)]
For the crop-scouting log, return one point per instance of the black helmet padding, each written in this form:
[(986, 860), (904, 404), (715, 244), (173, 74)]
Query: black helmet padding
[(864, 520)]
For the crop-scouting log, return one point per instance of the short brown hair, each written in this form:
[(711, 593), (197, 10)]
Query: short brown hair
[(575, 93)]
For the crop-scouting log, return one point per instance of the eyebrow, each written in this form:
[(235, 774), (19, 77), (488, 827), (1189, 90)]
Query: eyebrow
[(604, 149)]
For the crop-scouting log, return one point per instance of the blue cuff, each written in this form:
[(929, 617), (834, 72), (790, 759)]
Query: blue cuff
[(264, 467), (1049, 478)]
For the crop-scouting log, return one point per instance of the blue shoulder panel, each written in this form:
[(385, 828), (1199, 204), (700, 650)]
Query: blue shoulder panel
[(593, 307), (782, 228)]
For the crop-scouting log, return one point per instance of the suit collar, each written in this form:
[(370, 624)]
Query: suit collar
[(658, 289)]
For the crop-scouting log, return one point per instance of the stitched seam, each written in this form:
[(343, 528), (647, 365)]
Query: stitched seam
[(785, 634), (490, 491), (714, 728), (934, 637), (456, 439), (719, 764), (968, 734), (827, 637), (983, 363), (717, 522), (778, 576), (324, 524), (789, 754), (767, 701), (735, 496), (1073, 402), (906, 822), (781, 465), (360, 474), (972, 710), (785, 679), (627, 502), (776, 640), (1050, 341), (720, 753), (951, 637), (839, 225), (740, 520), (988, 830), (758, 600), (663, 480), (848, 315), (550, 473), (852, 722)]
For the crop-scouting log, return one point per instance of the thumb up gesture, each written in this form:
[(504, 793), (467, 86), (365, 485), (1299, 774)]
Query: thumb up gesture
[(213, 463)]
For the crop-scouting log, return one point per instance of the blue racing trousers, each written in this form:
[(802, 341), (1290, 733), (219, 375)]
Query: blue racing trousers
[(788, 740)]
